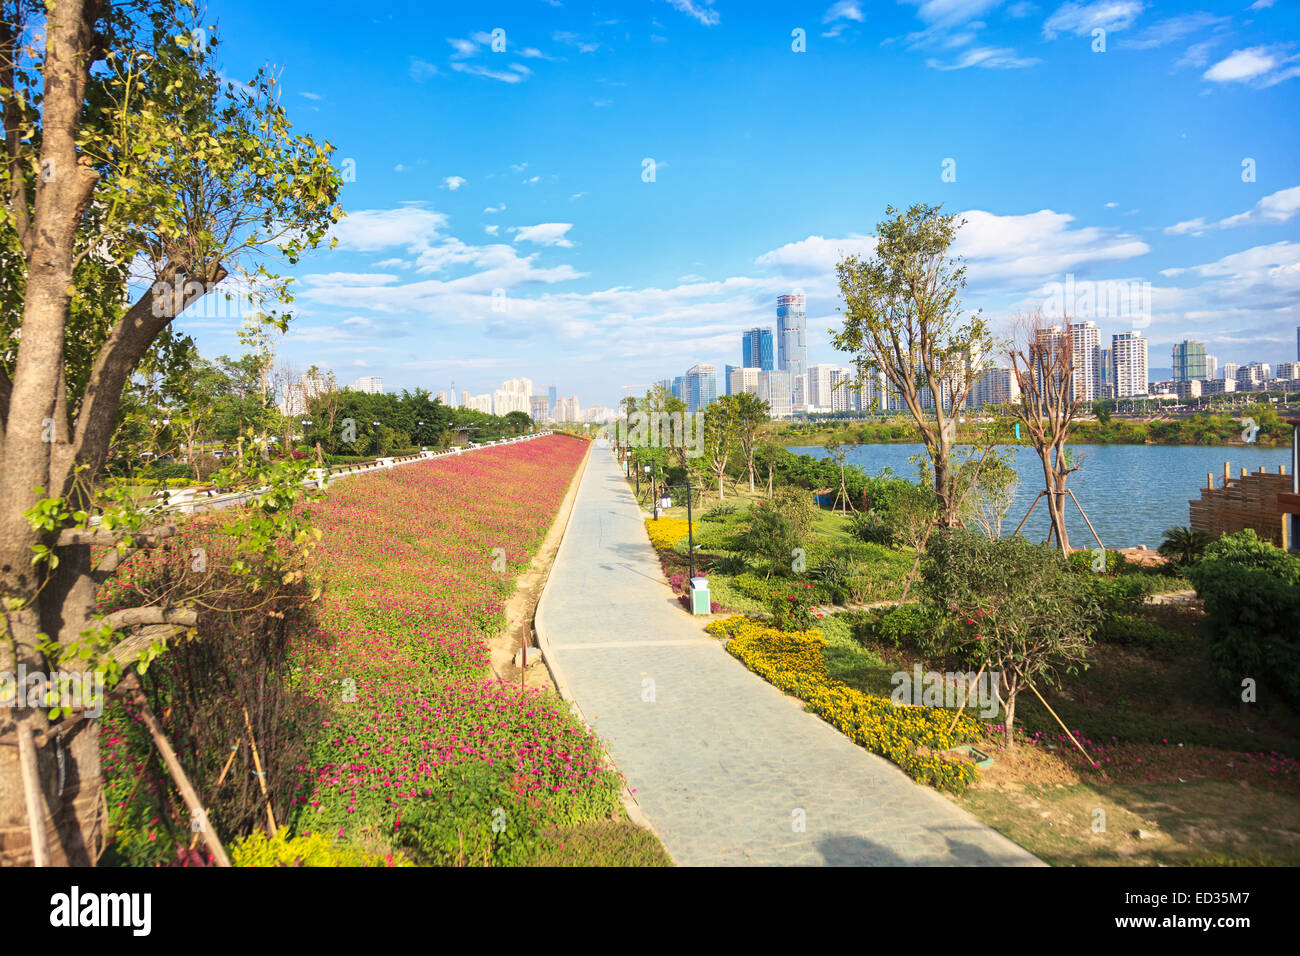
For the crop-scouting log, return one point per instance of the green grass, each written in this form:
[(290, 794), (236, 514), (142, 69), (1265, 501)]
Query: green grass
[(603, 843)]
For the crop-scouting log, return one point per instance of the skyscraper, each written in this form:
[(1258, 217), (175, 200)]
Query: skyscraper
[(370, 384), (791, 340), (1228, 371), (1129, 351), (1189, 361), (1085, 341), (756, 349), (1211, 367), (726, 378), (701, 387)]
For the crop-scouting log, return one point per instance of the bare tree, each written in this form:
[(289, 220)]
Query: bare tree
[(1042, 360)]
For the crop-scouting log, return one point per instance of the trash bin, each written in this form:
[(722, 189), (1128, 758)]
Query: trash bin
[(700, 603)]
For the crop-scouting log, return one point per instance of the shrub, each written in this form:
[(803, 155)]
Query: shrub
[(792, 609), (316, 849), (472, 818), (1251, 591), (912, 625), (776, 533), (719, 512), (835, 576), (872, 528), (1082, 560), (731, 564), (1027, 613), (754, 587)]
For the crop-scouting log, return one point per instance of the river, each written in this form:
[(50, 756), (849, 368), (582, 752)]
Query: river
[(1132, 493)]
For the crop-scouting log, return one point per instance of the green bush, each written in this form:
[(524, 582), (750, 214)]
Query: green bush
[(1082, 561), (719, 512), (872, 528), (834, 578), (472, 818), (1251, 591), (754, 587), (912, 626)]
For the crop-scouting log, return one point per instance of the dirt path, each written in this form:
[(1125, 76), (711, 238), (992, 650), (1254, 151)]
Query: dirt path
[(523, 603)]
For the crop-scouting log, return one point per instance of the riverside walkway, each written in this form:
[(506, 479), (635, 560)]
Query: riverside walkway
[(728, 770)]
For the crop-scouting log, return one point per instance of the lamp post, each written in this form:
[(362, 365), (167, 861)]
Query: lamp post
[(690, 532)]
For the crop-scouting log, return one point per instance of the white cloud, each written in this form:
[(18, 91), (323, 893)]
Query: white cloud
[(702, 11), (844, 10), (369, 230), (312, 96), (1281, 206), (454, 182), (546, 234), (1082, 18), (993, 58), (1172, 29), (492, 229), (814, 255), (1260, 66), (495, 209), (421, 70), (515, 73)]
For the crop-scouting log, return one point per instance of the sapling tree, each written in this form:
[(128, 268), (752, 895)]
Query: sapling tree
[(1015, 605), (903, 319)]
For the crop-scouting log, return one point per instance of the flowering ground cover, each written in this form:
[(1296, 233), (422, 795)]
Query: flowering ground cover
[(417, 564)]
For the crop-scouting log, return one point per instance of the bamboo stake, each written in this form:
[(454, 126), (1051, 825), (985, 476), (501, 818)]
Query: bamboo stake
[(1027, 514), (187, 791), (1085, 518), (1068, 732), (261, 774), (966, 698), (32, 795), (220, 779)]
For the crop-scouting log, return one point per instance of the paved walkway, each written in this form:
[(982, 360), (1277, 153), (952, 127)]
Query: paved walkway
[(724, 765)]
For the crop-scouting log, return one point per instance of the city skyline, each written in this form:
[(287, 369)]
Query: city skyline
[(502, 250)]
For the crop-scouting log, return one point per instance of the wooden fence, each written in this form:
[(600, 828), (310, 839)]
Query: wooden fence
[(1249, 500)]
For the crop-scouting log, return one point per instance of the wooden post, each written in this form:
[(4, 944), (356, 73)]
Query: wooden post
[(1243, 472), (32, 794), (261, 774), (187, 791), (1209, 480), (1286, 532), (1227, 473)]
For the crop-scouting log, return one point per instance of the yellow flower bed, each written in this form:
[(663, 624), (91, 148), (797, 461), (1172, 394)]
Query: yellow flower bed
[(666, 532), (794, 662)]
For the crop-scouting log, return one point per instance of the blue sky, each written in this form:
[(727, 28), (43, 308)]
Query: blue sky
[(501, 223)]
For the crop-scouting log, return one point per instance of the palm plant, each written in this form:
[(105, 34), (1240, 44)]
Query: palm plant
[(1184, 546)]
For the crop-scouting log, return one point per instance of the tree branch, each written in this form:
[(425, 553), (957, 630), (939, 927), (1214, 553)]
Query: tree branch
[(155, 614)]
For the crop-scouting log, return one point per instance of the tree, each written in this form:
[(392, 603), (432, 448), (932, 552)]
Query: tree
[(1015, 605), (518, 422), (719, 437), (902, 317), (993, 486), (125, 154), (1042, 359), (751, 414)]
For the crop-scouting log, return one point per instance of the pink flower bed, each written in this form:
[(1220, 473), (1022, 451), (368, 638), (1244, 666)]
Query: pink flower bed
[(400, 658)]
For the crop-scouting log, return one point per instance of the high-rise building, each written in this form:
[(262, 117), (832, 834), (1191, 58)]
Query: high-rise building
[(743, 380), (464, 398), (1049, 341), (821, 379), (756, 349), (1211, 367), (551, 394), (994, 386), (1189, 361), (774, 388), (370, 384), (1253, 377), (1288, 370), (1228, 371), (1085, 342), (701, 387), (441, 397), (791, 340), (726, 378), (679, 387), (1130, 355), (540, 408)]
